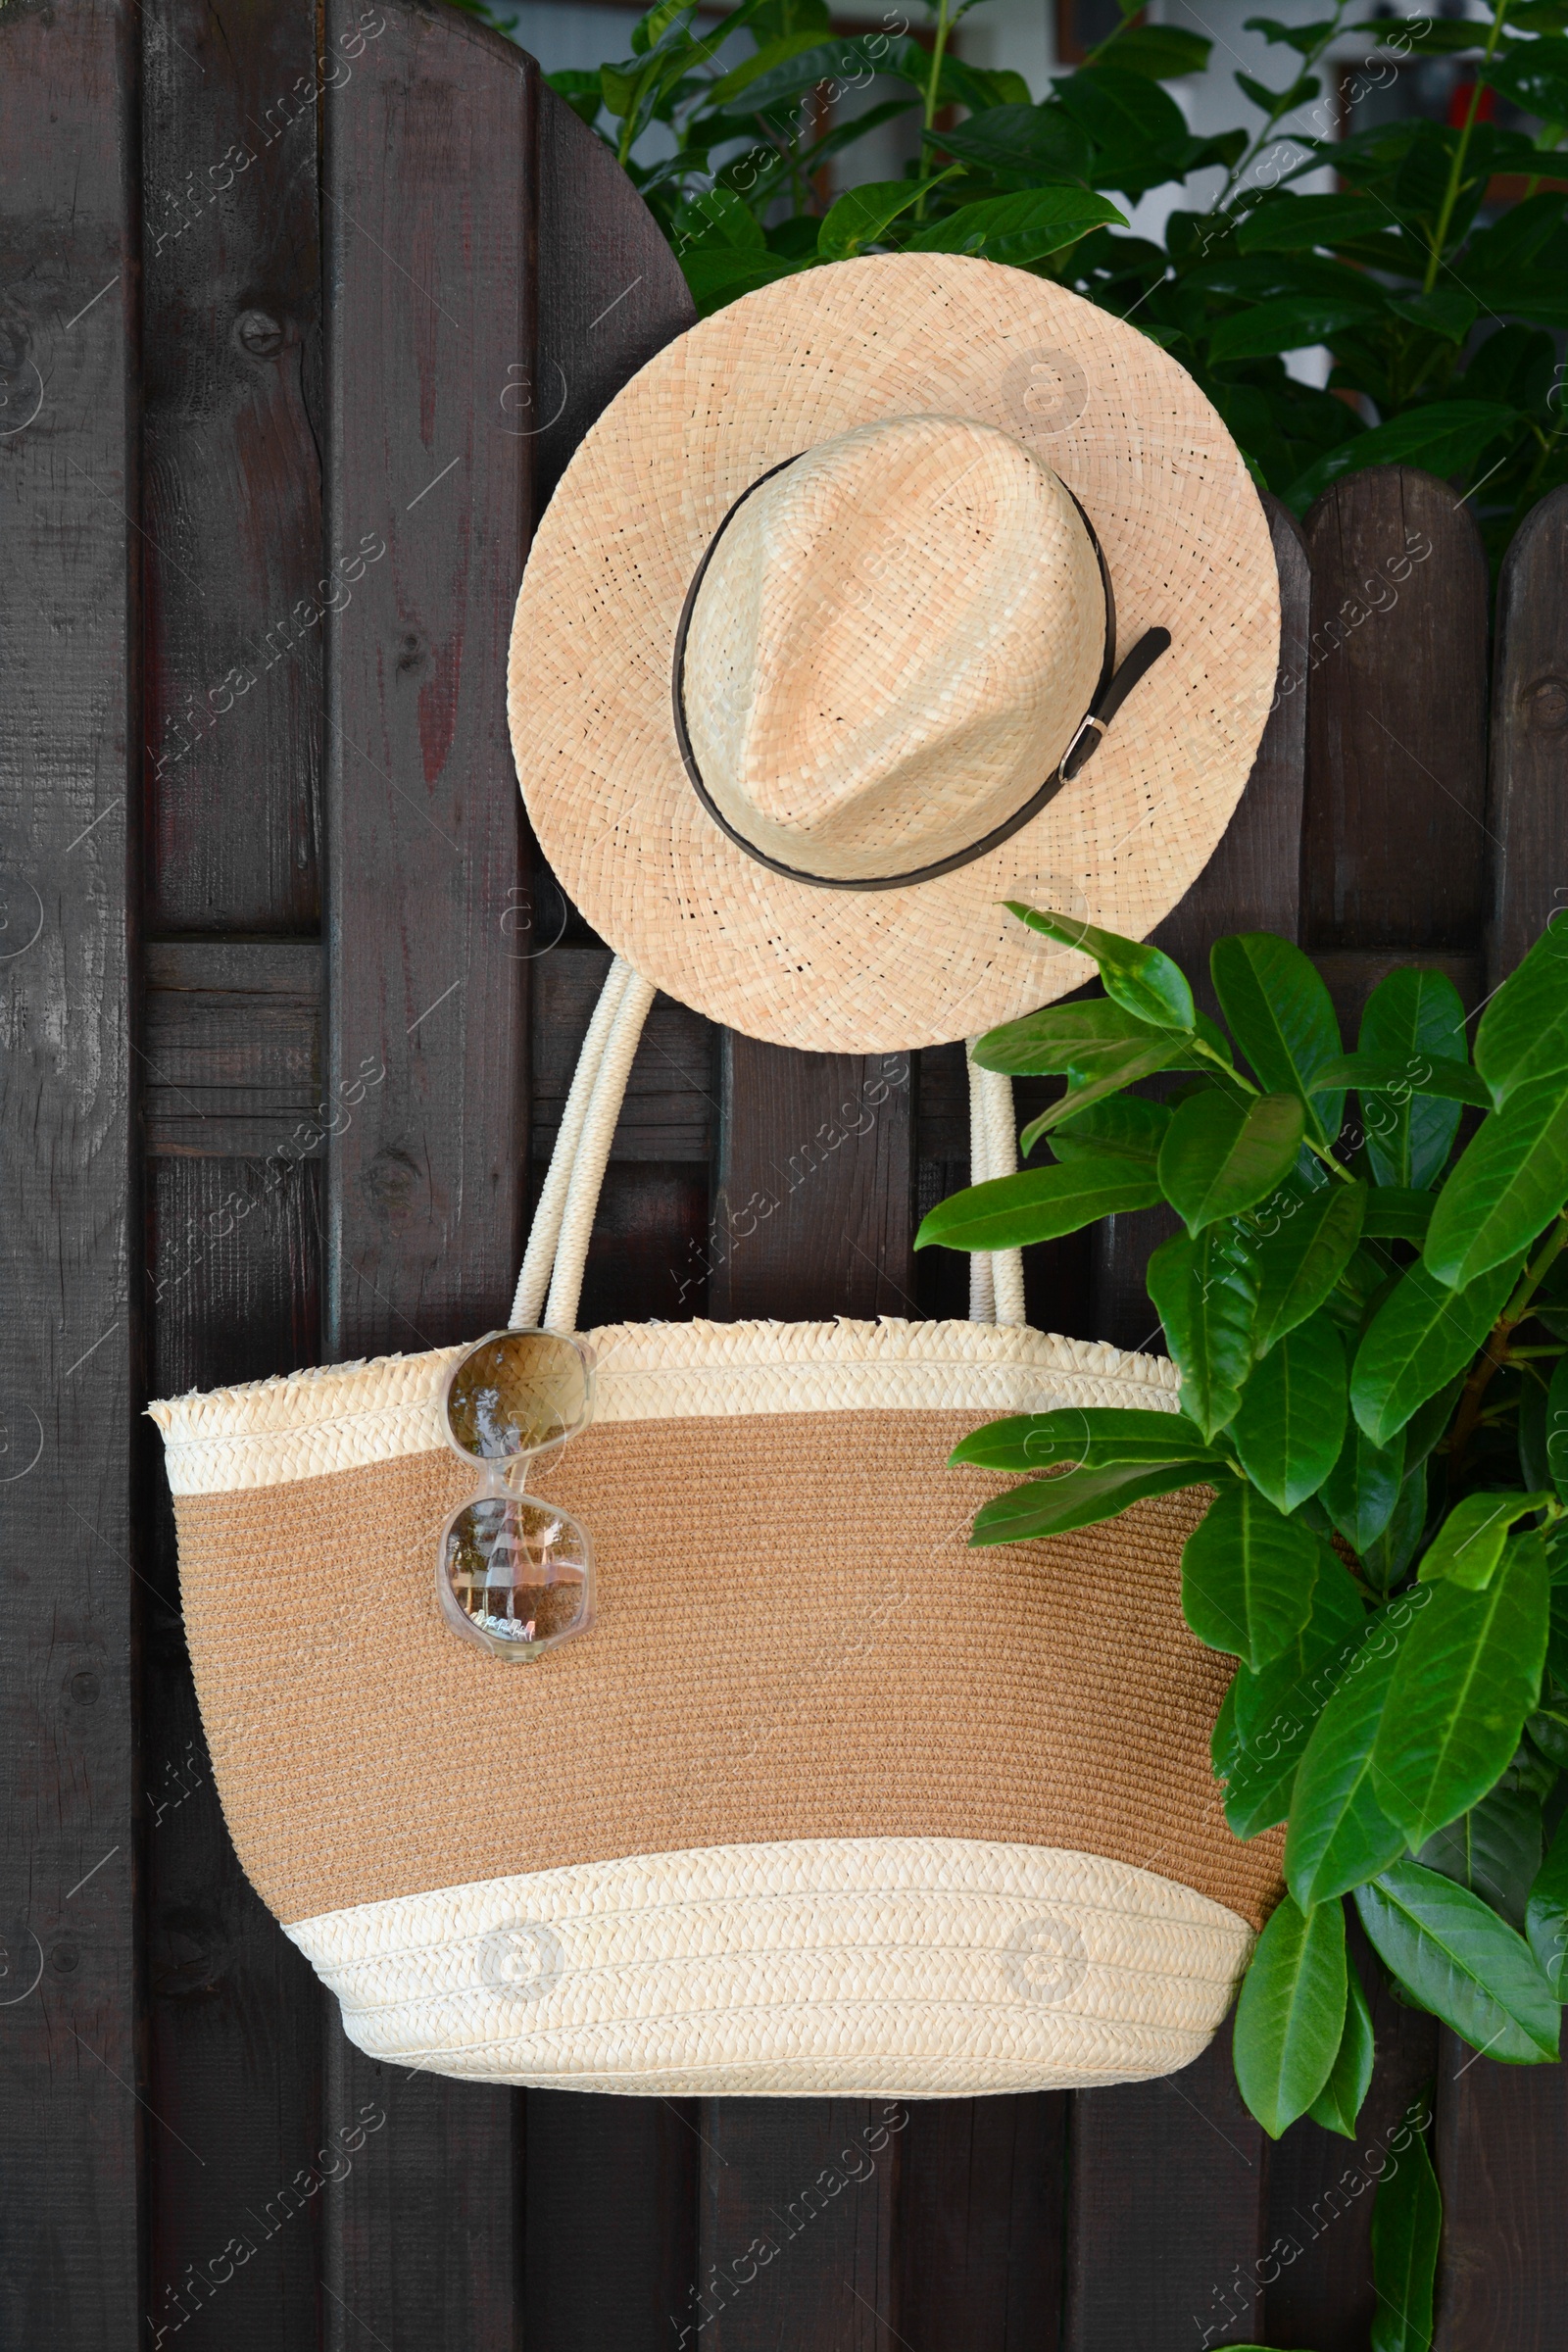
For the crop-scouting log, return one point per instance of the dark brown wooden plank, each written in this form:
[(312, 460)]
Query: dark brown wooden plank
[(796, 2246), (70, 2120), (237, 576), (237, 2183), (1499, 2151), (428, 204), (1393, 851), (230, 1051), (1353, 973), (612, 2222), (1251, 883), (1167, 2207), (671, 1108), (980, 2229), (1528, 805), (1503, 2131), (811, 1211), (611, 292), (1316, 2283)]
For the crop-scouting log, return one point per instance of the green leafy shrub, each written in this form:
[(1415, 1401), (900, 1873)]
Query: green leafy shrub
[(1370, 1319), (1439, 319)]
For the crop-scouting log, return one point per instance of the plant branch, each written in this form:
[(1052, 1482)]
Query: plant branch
[(934, 82), (1494, 1352), (1450, 194)]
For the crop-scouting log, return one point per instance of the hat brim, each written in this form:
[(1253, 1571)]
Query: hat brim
[(780, 371)]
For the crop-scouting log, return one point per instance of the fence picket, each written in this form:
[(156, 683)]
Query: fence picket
[(425, 1186), (1527, 811), (1502, 2132), (1393, 849), (1251, 883), (234, 2016), (70, 808)]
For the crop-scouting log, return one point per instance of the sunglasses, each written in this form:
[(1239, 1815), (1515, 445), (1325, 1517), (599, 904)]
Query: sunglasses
[(512, 1573)]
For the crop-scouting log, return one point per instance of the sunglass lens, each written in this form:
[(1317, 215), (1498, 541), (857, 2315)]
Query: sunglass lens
[(516, 1573), (518, 1393)]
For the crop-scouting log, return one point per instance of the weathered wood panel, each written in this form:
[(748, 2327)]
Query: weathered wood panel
[(1527, 812), (429, 206), (1251, 883), (69, 2122), (1395, 811), (1501, 2141), (238, 580), (980, 2231), (233, 2036), (1166, 2210)]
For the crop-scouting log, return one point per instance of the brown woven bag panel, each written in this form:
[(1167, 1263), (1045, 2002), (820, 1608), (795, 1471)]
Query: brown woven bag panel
[(793, 1640)]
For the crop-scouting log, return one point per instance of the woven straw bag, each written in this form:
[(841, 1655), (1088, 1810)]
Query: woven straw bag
[(825, 1802)]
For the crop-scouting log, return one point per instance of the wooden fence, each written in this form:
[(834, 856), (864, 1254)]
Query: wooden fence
[(299, 321)]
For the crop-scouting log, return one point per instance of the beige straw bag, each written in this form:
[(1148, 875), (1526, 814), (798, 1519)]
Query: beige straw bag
[(824, 1801)]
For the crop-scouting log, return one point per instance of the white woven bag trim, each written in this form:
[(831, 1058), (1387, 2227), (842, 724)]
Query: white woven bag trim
[(347, 1416), (926, 1966)]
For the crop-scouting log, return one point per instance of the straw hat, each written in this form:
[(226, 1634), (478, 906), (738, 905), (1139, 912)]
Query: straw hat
[(816, 654)]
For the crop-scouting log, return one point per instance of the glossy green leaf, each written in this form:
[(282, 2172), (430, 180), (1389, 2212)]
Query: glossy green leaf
[(1462, 1962), (1221, 1156), (1445, 437), (1248, 1575), (1034, 143), (1205, 1294), (1396, 1214), (1271, 1713), (1052, 1507), (1021, 228), (1420, 1337), (1164, 52), (1037, 1205), (1466, 1679), (717, 275), (1269, 1703), (1289, 224), (1510, 1182), (1523, 1036), (1289, 2019), (1362, 1488), (1122, 110), (1493, 1849), (1101, 1436), (1281, 1017), (1436, 1074), (860, 215), (1123, 1127), (1406, 2229), (1291, 1423), (1339, 1833), (1467, 1547), (719, 217), (1390, 1554), (1411, 1015), (1339, 2102), (765, 62), (1064, 1039), (1547, 1915), (1534, 75), (1113, 1072), (1299, 1263), (1292, 323), (1142, 980)]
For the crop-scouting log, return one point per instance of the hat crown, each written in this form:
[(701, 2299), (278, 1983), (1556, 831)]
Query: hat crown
[(893, 644)]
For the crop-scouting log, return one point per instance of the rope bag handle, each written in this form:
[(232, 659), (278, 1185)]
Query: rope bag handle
[(550, 1285)]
